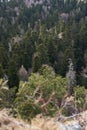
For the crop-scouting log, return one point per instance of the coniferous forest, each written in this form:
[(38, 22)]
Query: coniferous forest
[(43, 56)]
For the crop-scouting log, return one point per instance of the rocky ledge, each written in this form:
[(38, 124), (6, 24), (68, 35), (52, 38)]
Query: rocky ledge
[(75, 122)]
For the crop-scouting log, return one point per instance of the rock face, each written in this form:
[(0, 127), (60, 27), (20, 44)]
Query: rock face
[(78, 122)]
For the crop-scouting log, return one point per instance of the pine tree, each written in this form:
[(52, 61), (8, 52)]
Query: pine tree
[(13, 74)]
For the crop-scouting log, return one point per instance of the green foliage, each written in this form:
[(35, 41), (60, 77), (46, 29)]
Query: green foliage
[(1, 71), (80, 92), (27, 109), (41, 57), (13, 74), (38, 29), (52, 88), (3, 57), (80, 97), (33, 34), (47, 71), (6, 95)]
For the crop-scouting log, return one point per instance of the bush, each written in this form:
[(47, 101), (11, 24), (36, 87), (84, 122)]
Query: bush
[(80, 97), (6, 95), (43, 93)]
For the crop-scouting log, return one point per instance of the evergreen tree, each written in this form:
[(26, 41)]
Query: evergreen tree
[(41, 57), (13, 80)]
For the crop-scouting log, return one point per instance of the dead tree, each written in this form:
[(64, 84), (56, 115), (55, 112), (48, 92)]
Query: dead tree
[(71, 77)]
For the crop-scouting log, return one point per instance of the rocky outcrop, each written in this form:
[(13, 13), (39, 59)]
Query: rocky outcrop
[(9, 123), (75, 122), (38, 123)]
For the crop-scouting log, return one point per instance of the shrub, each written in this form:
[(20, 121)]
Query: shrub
[(80, 97), (43, 93), (6, 95)]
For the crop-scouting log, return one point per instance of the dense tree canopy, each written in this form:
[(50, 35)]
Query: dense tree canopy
[(37, 41)]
